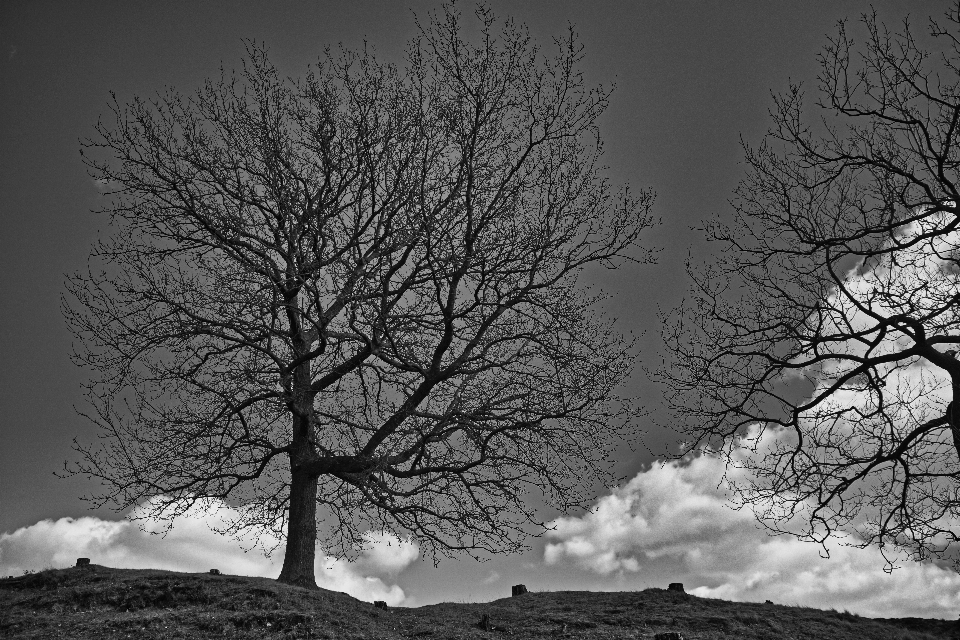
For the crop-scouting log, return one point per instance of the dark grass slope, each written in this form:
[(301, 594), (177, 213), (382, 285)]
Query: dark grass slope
[(106, 604)]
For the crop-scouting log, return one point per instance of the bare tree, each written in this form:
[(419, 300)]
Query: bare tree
[(818, 351), (359, 291)]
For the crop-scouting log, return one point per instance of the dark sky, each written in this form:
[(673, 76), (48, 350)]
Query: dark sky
[(692, 79)]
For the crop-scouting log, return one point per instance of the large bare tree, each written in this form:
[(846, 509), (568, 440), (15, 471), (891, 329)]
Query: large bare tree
[(359, 291), (818, 350)]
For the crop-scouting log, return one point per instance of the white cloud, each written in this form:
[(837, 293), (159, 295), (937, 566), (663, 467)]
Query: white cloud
[(105, 186), (386, 554), (491, 578), (671, 523), (920, 283), (192, 546)]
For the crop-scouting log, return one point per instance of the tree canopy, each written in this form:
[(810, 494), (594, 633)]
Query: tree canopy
[(360, 291), (818, 351)]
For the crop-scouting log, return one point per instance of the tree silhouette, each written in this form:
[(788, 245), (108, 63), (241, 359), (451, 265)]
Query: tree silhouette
[(818, 351), (359, 291)]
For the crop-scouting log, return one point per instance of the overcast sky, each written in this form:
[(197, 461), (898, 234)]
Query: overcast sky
[(693, 78)]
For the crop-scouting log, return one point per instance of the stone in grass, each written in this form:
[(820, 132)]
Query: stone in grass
[(487, 625), (214, 572), (676, 586), (83, 562), (380, 604), (518, 590), (669, 635)]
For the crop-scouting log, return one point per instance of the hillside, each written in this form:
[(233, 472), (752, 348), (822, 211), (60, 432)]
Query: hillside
[(107, 604)]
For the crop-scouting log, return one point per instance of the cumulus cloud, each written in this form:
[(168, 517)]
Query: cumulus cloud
[(672, 523), (920, 282), (386, 554), (491, 578), (191, 546)]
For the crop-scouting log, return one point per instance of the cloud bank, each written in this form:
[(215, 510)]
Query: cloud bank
[(671, 523), (191, 546)]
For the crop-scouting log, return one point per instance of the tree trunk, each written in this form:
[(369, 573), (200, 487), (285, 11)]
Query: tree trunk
[(953, 415), (301, 531), (302, 513)]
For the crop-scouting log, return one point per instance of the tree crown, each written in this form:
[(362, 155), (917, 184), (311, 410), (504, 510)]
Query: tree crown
[(366, 278), (818, 349)]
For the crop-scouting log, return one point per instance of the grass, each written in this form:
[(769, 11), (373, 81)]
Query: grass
[(108, 604)]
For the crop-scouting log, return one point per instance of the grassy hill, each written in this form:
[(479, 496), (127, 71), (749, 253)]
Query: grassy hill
[(107, 604)]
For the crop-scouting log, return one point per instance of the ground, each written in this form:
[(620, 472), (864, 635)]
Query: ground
[(110, 604)]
